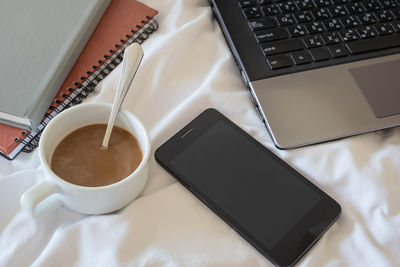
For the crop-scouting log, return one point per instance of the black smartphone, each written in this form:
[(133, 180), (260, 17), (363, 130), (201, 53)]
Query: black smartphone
[(270, 204)]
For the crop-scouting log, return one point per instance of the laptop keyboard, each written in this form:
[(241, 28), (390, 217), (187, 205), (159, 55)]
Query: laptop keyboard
[(303, 32)]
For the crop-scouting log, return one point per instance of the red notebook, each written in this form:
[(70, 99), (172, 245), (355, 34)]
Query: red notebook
[(124, 22)]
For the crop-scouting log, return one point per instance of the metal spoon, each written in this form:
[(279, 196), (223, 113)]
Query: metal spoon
[(133, 55)]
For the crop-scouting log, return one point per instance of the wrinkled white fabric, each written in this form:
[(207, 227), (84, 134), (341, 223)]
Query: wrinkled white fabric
[(187, 68)]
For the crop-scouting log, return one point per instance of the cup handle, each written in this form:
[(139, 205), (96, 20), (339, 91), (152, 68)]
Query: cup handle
[(41, 199)]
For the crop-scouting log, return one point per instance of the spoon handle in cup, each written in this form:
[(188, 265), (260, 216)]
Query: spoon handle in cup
[(133, 55)]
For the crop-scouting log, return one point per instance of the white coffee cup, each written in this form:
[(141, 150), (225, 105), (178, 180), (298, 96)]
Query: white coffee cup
[(53, 191)]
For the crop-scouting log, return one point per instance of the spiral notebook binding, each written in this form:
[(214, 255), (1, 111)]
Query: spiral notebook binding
[(84, 87)]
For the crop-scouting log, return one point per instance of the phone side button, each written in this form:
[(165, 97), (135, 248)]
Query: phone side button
[(259, 114)]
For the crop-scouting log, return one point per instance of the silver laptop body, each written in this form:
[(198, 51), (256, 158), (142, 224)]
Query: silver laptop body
[(321, 104)]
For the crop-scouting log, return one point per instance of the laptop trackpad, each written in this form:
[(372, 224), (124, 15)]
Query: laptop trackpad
[(380, 84)]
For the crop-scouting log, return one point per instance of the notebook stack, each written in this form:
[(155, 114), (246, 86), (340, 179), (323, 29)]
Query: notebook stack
[(122, 23)]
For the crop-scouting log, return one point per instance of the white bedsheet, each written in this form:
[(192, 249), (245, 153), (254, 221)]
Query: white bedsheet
[(188, 67)]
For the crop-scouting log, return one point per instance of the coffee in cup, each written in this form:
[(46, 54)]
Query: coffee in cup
[(79, 158), (100, 196)]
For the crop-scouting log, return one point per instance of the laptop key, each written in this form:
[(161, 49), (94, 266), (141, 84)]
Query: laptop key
[(373, 44), (332, 25), (301, 57), (278, 47), (348, 35), (384, 15), (279, 61), (305, 4), (371, 5), (321, 14), (252, 12), (262, 23), (388, 3), (270, 10), (350, 21), (367, 19), (285, 19), (303, 17), (338, 11), (271, 35), (331, 38), (312, 41), (338, 50), (247, 3), (355, 8), (366, 32), (296, 31), (315, 27), (322, 3), (320, 54), (287, 7), (384, 29)]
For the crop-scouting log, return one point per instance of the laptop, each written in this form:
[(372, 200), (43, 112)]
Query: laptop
[(317, 70)]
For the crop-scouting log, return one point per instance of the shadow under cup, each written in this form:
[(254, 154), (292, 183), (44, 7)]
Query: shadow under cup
[(54, 191)]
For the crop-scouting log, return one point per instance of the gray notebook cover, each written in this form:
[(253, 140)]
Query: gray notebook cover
[(40, 41)]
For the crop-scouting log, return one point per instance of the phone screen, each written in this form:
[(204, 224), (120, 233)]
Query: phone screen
[(244, 182)]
